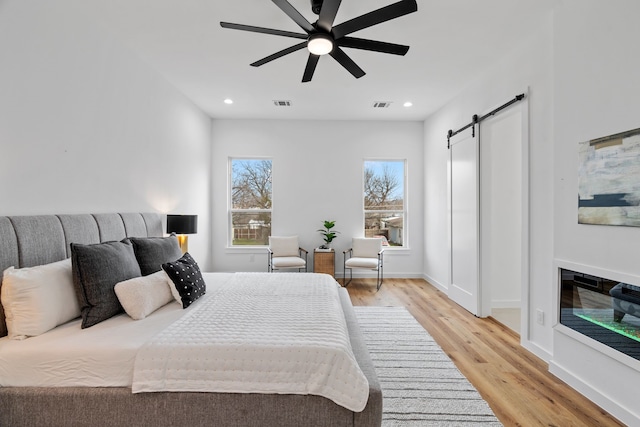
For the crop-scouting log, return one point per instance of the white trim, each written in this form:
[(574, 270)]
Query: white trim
[(525, 233), (435, 283), (230, 209), (536, 350), (258, 250), (598, 346), (620, 412), (405, 192), (363, 274)]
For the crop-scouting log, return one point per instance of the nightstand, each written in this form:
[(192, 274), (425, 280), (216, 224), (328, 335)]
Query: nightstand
[(324, 262)]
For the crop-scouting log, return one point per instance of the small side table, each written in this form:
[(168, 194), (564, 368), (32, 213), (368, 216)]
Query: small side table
[(324, 262)]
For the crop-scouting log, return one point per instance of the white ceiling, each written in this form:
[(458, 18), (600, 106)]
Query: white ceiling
[(451, 41)]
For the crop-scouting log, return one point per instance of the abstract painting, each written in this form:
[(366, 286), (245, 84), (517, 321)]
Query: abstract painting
[(609, 180)]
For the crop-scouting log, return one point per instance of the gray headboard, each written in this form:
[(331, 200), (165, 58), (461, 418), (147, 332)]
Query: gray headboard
[(26, 241)]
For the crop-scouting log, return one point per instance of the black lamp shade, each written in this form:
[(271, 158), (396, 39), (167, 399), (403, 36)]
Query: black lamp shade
[(182, 224)]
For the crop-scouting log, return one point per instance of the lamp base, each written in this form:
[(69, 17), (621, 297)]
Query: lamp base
[(183, 241)]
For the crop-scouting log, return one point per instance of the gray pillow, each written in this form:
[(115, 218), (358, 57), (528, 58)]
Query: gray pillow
[(152, 252), (96, 270)]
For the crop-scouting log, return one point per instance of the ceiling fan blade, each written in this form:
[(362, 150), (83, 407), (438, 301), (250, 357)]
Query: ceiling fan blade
[(378, 16), (295, 15), (263, 30), (376, 46), (344, 60), (328, 14), (312, 62), (280, 54)]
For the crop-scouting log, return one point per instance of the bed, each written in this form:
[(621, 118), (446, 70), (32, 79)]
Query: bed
[(27, 241)]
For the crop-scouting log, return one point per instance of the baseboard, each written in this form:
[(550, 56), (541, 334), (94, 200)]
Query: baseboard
[(537, 350), (366, 275), (434, 282), (620, 412)]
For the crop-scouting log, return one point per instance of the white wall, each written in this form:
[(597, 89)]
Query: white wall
[(528, 67), (317, 175), (596, 94), (87, 127), (582, 77)]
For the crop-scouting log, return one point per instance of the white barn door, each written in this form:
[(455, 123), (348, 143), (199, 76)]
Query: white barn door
[(464, 221)]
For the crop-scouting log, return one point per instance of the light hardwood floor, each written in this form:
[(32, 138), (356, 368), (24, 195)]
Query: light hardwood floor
[(515, 383)]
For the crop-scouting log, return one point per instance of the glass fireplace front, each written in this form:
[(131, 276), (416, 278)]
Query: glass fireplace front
[(605, 310)]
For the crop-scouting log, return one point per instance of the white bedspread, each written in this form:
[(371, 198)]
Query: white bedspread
[(258, 333)]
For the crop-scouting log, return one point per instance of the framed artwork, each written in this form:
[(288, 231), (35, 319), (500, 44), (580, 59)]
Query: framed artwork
[(609, 180)]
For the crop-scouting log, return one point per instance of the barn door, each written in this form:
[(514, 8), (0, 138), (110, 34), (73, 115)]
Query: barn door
[(464, 221)]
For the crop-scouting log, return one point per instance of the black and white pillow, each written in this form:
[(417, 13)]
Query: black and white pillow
[(187, 279)]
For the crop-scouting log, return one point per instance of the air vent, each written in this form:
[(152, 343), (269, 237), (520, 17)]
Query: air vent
[(282, 103), (381, 104)]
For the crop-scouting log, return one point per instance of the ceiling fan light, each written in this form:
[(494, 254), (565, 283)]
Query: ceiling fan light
[(320, 44)]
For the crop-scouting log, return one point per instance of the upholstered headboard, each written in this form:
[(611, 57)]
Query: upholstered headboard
[(26, 241)]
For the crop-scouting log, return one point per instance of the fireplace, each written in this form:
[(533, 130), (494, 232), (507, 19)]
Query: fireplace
[(605, 310)]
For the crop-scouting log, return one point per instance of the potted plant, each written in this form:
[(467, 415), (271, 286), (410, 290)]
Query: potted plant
[(328, 234)]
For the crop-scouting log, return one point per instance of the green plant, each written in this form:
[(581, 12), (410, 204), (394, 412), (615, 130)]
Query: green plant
[(327, 233)]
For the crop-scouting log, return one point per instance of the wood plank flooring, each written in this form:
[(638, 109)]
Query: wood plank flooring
[(515, 383)]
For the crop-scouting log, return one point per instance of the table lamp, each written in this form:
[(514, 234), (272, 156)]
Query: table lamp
[(182, 225)]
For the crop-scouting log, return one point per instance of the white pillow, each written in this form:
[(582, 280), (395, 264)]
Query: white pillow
[(37, 299), (141, 296)]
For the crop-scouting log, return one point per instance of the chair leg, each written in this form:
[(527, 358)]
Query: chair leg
[(380, 278), (344, 276)]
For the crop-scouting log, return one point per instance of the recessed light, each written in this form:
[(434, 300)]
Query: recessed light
[(228, 101), (408, 104)]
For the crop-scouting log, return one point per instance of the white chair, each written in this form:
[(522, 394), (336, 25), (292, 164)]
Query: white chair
[(364, 253), (284, 252)]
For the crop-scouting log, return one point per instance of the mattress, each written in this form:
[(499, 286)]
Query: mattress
[(100, 356)]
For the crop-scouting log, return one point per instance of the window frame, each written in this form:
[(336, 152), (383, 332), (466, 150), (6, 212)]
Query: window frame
[(404, 211), (231, 210)]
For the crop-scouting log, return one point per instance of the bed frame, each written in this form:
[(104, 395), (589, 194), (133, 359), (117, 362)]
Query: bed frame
[(27, 241)]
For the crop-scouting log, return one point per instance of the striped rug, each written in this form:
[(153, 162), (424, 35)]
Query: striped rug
[(421, 386)]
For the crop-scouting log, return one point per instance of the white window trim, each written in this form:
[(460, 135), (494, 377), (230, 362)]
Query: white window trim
[(405, 203), (230, 211)]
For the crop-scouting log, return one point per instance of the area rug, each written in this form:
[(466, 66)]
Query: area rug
[(421, 386)]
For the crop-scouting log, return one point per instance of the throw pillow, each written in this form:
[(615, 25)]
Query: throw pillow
[(152, 252), (187, 279), (37, 299), (96, 270), (141, 296)]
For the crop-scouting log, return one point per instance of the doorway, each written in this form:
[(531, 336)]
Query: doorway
[(501, 215), (488, 217)]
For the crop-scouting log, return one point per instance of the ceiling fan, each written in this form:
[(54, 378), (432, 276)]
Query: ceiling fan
[(322, 37)]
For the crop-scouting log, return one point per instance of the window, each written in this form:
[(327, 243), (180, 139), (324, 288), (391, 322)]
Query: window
[(384, 200), (250, 213)]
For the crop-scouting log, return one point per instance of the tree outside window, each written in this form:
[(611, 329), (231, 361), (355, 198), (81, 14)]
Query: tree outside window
[(251, 202), (384, 200)]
